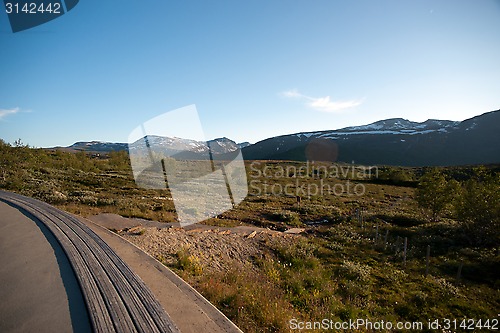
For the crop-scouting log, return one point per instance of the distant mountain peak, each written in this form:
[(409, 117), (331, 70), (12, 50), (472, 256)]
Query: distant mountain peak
[(98, 146), (244, 144), (222, 139), (396, 141), (398, 124)]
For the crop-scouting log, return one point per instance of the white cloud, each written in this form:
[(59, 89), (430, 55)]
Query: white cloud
[(324, 104), (5, 112), (291, 93)]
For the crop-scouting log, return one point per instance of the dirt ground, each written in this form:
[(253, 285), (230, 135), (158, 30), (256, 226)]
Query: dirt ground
[(216, 248)]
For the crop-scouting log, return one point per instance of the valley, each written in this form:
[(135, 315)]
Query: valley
[(330, 255), (386, 142)]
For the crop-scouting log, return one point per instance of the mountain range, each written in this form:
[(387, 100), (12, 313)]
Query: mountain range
[(169, 146), (394, 141)]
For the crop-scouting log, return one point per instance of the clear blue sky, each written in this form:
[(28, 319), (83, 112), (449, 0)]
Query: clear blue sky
[(254, 68)]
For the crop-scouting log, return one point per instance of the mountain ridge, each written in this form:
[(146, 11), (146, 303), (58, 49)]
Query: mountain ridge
[(393, 141)]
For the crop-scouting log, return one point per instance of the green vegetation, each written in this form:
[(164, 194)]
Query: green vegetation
[(81, 183), (435, 193), (475, 203), (347, 265), (478, 208), (188, 262)]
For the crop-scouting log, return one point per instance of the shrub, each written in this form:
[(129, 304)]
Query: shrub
[(290, 218), (478, 209), (356, 271), (435, 194), (189, 262)]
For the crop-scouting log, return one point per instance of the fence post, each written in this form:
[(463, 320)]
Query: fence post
[(397, 245), (385, 238), (404, 252), (459, 273), (427, 255)]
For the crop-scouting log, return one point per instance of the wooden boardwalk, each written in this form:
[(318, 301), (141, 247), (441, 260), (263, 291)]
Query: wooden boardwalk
[(117, 299)]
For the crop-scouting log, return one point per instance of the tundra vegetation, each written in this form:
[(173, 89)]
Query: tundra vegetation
[(349, 262)]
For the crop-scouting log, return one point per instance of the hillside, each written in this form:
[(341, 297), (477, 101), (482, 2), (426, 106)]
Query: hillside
[(347, 260), (393, 142)]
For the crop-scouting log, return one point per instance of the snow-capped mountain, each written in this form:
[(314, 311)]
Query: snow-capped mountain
[(402, 126), (173, 146), (388, 126), (394, 141), (244, 144), (168, 146), (98, 146)]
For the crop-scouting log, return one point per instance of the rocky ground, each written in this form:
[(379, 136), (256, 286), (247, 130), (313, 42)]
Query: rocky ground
[(216, 249)]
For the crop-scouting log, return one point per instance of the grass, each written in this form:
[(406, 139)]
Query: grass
[(320, 277), (339, 269)]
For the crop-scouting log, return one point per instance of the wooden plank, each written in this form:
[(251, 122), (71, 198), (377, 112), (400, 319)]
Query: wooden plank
[(98, 311), (117, 299), (116, 308), (151, 314), (139, 314)]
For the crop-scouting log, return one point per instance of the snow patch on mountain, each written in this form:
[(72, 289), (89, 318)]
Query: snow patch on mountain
[(395, 126)]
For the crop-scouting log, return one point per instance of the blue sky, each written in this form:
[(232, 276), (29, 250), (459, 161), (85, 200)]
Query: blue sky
[(254, 69)]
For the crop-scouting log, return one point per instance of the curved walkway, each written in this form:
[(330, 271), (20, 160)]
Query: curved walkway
[(117, 300), (38, 290), (189, 310)]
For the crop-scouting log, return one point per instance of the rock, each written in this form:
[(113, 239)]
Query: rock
[(295, 231)]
